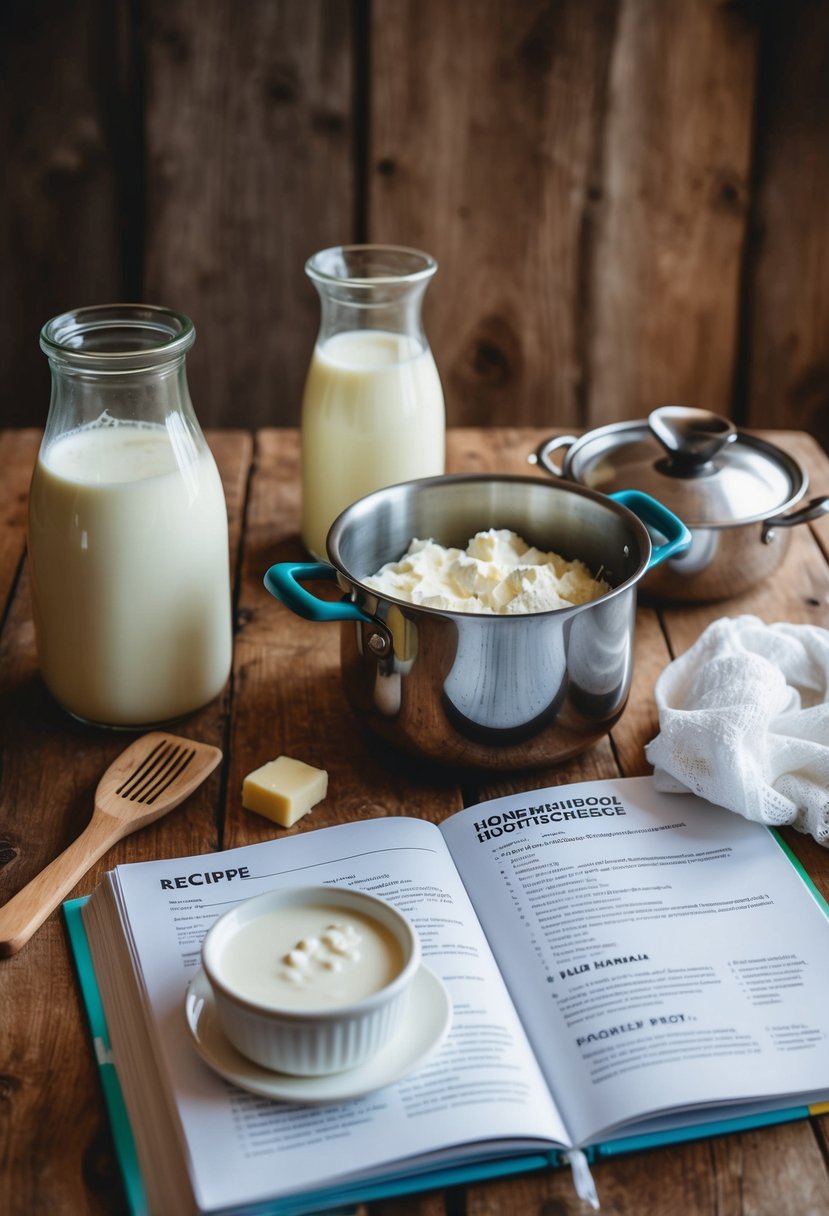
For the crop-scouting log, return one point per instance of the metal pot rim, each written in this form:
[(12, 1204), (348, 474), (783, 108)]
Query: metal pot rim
[(350, 517)]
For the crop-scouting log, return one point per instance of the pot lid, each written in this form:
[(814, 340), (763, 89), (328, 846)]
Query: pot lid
[(694, 462)]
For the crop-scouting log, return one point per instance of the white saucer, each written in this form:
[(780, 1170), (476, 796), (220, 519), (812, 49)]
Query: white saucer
[(427, 1023)]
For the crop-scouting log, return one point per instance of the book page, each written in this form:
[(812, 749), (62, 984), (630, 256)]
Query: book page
[(663, 953), (482, 1085)]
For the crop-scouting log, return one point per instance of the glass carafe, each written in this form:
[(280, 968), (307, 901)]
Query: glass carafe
[(128, 536), (372, 410)]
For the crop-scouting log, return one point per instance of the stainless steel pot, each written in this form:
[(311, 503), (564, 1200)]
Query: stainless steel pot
[(734, 491), (493, 692)]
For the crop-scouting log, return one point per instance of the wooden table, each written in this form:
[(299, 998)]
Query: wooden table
[(285, 696)]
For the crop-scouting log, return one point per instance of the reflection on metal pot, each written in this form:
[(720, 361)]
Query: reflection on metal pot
[(505, 683), (600, 657)]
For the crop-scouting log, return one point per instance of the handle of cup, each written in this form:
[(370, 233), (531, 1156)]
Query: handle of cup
[(654, 515), (284, 581)]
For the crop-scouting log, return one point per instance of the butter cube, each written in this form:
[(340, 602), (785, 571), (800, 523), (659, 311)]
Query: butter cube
[(284, 790)]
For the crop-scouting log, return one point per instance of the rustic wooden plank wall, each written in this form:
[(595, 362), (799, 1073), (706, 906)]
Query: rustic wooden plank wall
[(626, 197)]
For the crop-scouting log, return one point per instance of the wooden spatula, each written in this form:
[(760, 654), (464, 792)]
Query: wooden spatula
[(149, 778)]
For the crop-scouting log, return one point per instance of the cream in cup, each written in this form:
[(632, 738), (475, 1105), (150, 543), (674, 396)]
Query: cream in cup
[(311, 980)]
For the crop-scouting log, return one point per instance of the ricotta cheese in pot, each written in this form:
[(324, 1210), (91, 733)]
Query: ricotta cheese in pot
[(497, 572)]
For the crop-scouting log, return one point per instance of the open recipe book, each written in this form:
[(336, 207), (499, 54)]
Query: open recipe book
[(625, 968)]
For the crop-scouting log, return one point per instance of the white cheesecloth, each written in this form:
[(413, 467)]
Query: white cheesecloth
[(744, 722)]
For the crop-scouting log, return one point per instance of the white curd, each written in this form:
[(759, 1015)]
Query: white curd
[(498, 572)]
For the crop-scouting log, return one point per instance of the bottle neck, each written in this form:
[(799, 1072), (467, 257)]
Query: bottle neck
[(371, 287), (119, 364), (397, 311), (147, 396)]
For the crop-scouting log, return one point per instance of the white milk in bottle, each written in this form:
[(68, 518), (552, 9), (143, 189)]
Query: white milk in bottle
[(128, 537), (128, 549), (372, 411), (372, 415)]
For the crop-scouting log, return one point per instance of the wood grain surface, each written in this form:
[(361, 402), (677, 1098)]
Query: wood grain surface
[(787, 371), (626, 198), (285, 696), (488, 158), (666, 265), (249, 168)]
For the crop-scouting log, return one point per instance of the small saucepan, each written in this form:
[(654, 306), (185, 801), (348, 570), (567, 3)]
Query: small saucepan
[(477, 690), (736, 492)]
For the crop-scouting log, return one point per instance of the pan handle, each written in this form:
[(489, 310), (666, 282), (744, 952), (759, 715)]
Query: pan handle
[(813, 509), (283, 582), (651, 512), (541, 455)]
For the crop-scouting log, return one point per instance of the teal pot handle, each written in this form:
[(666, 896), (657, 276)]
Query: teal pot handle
[(284, 580), (652, 513)]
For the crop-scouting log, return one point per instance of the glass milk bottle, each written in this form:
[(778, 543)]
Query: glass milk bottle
[(372, 411), (128, 537)]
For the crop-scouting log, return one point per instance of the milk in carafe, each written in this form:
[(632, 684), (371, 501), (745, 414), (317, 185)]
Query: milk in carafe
[(372, 415), (372, 409)]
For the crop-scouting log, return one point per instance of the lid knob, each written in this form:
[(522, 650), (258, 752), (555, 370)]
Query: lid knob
[(691, 437)]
